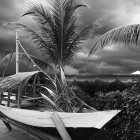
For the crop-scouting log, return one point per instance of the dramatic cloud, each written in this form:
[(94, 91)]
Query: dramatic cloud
[(110, 60)]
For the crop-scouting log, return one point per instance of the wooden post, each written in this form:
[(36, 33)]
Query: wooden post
[(60, 126), (1, 96), (17, 53), (34, 85), (8, 102), (8, 125), (19, 97)]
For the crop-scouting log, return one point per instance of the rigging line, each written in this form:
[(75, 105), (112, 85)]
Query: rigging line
[(8, 62), (33, 61)]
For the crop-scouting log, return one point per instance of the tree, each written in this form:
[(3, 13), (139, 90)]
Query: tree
[(59, 36)]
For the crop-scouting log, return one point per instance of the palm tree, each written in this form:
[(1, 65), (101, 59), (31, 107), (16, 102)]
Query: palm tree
[(58, 33), (59, 36)]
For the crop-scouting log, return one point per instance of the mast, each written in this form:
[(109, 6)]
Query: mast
[(17, 53)]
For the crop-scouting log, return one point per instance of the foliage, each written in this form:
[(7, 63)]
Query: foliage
[(95, 86), (63, 96), (26, 60), (125, 35), (126, 125), (58, 33)]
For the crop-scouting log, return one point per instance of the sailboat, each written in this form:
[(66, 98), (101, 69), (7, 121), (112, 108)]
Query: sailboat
[(20, 104)]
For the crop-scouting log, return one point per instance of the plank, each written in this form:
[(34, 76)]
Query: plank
[(8, 102), (1, 96), (60, 126), (8, 125), (5, 122), (34, 98), (19, 96)]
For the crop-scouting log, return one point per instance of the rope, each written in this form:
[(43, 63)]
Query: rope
[(33, 61), (8, 62)]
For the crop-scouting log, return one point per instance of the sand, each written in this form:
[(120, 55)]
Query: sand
[(15, 134)]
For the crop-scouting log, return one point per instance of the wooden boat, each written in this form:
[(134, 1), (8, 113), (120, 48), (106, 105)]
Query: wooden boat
[(74, 120), (42, 118), (13, 89), (16, 106)]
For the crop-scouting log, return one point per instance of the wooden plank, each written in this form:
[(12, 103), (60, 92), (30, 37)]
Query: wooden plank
[(1, 96), (60, 126), (5, 122), (11, 101), (19, 97), (29, 99), (34, 85), (8, 125), (8, 102)]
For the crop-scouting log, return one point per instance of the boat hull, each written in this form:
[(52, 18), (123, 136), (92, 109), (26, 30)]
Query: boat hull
[(34, 118)]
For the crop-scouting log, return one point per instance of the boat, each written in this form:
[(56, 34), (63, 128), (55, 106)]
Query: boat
[(16, 109), (22, 102), (71, 120)]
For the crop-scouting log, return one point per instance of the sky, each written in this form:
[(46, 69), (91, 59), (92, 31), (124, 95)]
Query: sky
[(113, 59)]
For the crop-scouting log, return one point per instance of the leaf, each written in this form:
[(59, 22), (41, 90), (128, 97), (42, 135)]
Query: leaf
[(58, 85), (27, 61), (48, 99), (63, 78), (50, 91), (124, 35), (52, 80), (56, 28)]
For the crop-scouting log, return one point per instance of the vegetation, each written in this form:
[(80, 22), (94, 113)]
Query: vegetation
[(125, 35), (93, 87), (58, 35), (126, 125)]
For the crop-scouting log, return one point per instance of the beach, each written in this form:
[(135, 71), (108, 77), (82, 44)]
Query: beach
[(15, 134)]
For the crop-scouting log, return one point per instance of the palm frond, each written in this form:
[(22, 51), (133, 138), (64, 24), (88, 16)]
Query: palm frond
[(63, 78), (49, 91), (124, 35), (43, 43), (48, 99), (27, 61), (43, 17), (73, 45), (57, 26), (65, 21), (36, 37)]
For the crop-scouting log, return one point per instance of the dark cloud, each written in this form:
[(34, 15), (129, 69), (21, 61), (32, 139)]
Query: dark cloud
[(107, 61)]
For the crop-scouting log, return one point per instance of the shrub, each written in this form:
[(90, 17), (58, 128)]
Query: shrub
[(126, 125), (95, 86), (114, 95)]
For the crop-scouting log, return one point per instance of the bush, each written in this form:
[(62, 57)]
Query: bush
[(126, 125), (95, 86), (110, 96)]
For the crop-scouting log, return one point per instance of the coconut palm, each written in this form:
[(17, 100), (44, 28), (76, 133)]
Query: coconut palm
[(58, 33), (59, 36)]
